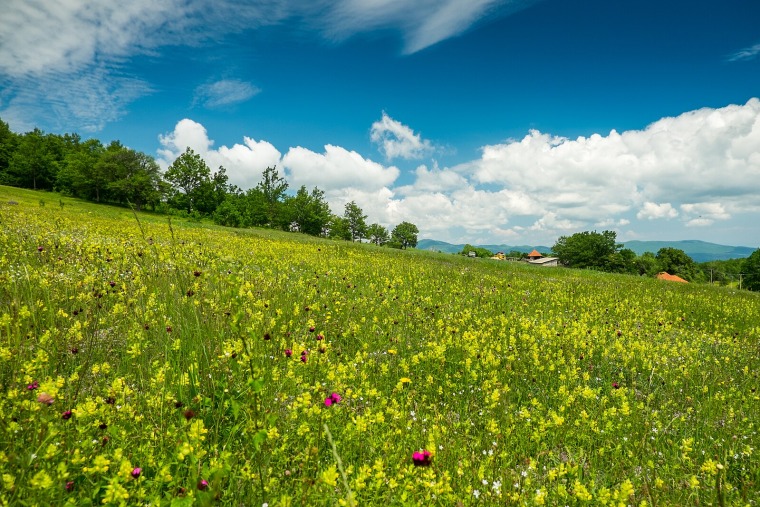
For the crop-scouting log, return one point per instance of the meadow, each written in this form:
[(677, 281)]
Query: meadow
[(145, 361)]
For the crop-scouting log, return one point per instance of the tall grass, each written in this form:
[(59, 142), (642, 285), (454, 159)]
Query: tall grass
[(143, 361)]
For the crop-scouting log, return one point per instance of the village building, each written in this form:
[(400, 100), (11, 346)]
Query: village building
[(664, 275)]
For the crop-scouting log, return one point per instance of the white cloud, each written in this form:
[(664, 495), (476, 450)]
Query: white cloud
[(423, 22), (397, 140), (336, 168), (244, 163), (748, 53), (652, 211), (224, 92)]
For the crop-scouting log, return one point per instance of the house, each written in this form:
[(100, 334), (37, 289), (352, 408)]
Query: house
[(534, 255), (499, 256), (664, 275), (547, 262)]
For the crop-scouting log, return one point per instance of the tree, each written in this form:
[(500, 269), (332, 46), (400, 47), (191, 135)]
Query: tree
[(187, 174), (587, 249), (8, 141), (309, 212), (79, 175), (357, 225), (32, 165), (272, 187), (377, 234), (135, 179), (405, 234), (677, 262), (751, 267), (483, 253), (337, 228)]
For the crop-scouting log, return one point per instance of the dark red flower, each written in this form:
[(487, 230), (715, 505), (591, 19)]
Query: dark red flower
[(66, 415), (422, 458)]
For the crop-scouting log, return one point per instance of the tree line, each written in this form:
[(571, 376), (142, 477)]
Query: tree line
[(115, 174), (600, 251)]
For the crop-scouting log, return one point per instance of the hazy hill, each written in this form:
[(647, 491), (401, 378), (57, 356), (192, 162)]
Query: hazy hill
[(700, 251)]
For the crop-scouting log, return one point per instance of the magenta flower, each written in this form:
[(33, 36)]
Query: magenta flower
[(333, 399), (66, 415), (69, 485), (288, 352), (39, 248), (320, 337), (34, 385), (422, 458), (136, 472), (203, 484), (615, 385)]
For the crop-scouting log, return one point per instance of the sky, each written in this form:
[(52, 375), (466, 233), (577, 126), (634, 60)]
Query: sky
[(483, 121)]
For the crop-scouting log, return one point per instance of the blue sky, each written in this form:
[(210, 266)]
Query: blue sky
[(490, 121)]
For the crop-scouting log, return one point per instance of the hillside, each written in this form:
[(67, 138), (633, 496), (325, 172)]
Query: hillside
[(700, 251)]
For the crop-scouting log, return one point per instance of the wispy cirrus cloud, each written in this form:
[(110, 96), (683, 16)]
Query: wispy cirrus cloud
[(422, 23), (748, 53), (225, 92)]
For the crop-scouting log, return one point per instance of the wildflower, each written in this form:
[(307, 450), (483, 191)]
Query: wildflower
[(69, 485), (112, 284), (615, 385), (34, 385), (320, 337), (203, 485), (196, 274), (288, 352), (476, 493), (136, 472), (66, 415), (422, 458), (189, 414), (45, 399), (333, 399), (39, 248), (312, 329), (267, 336)]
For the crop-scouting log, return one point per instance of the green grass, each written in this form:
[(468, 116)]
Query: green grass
[(167, 343)]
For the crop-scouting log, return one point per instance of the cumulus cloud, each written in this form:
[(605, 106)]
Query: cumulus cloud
[(224, 92), (652, 211), (398, 140), (244, 162), (687, 163), (336, 168), (694, 170)]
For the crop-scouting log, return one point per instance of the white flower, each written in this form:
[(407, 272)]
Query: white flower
[(476, 493)]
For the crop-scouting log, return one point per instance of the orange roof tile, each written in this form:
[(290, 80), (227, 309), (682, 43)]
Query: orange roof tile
[(671, 278), (535, 253)]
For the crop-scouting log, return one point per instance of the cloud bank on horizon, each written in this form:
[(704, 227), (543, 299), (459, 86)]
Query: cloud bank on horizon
[(531, 189)]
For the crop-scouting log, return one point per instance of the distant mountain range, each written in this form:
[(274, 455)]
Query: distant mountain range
[(700, 251)]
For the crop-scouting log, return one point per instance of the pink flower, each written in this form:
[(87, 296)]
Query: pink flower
[(66, 415), (136, 472), (45, 399), (288, 352), (34, 385), (422, 458), (203, 484), (333, 399), (615, 385)]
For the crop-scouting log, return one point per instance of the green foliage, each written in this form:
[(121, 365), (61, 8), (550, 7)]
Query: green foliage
[(307, 212), (405, 234), (339, 228), (188, 174), (751, 267), (483, 253), (356, 221), (272, 188), (588, 250), (676, 262), (378, 234)]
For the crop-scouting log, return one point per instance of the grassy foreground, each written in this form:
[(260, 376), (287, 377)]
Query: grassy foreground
[(144, 361)]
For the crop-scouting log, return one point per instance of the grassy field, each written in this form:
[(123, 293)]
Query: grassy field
[(144, 361)]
